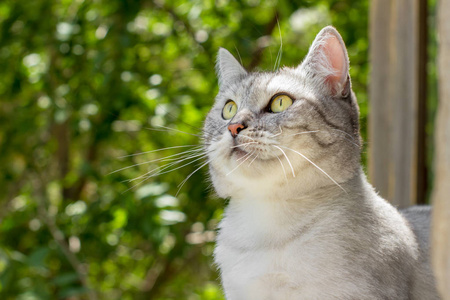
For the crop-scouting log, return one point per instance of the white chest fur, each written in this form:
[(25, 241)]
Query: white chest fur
[(262, 274), (280, 257), (282, 250)]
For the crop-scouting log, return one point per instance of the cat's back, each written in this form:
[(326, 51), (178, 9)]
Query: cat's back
[(407, 231), (419, 219)]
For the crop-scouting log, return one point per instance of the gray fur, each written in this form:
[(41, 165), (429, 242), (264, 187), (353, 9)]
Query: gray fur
[(302, 221), (419, 219)]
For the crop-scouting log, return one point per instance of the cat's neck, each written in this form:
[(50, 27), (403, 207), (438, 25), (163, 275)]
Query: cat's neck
[(297, 191), (265, 219)]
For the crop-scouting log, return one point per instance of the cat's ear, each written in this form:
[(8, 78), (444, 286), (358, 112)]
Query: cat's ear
[(228, 68), (327, 61)]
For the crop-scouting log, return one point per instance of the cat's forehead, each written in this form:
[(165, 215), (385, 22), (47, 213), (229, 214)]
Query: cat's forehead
[(258, 88)]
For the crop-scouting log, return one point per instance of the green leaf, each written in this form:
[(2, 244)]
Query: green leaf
[(73, 291), (65, 279), (37, 257)]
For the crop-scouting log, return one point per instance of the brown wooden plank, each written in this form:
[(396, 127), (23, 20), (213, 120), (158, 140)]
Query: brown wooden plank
[(394, 99), (422, 168), (441, 193)]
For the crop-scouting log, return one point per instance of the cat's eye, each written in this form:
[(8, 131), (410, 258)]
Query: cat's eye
[(229, 110), (280, 103)]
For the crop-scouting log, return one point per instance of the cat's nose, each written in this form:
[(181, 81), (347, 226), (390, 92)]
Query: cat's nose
[(235, 128)]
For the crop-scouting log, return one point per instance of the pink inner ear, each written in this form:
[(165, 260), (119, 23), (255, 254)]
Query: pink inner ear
[(335, 55)]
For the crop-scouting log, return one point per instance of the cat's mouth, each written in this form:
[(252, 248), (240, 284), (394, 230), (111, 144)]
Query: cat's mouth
[(242, 148), (237, 151), (248, 149)]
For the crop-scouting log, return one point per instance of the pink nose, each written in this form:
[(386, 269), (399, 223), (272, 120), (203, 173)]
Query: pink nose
[(235, 128)]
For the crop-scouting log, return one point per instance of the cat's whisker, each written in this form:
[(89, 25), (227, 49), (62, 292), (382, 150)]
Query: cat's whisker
[(172, 131), (320, 169), (162, 107), (159, 173), (282, 167), (138, 164), (353, 143), (162, 169), (239, 55), (242, 157), (153, 171), (280, 51), (245, 144), (189, 176), (157, 150), (247, 137), (248, 155), (143, 180), (304, 132), (277, 134), (132, 187), (167, 158), (158, 170), (169, 129), (253, 160), (340, 131), (199, 157), (349, 135), (183, 155), (289, 162)]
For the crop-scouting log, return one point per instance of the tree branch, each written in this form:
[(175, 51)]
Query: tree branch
[(12, 193), (59, 238), (158, 275)]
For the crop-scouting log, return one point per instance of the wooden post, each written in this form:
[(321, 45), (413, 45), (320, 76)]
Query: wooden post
[(441, 194), (397, 100)]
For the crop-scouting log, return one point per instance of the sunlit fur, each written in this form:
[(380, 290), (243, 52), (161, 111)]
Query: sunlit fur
[(302, 221)]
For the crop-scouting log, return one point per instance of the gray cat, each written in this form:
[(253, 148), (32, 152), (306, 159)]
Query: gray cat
[(302, 220)]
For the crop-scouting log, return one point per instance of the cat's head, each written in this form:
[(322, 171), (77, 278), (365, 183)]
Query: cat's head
[(284, 132)]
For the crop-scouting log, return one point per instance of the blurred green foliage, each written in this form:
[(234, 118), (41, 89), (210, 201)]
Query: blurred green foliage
[(81, 83)]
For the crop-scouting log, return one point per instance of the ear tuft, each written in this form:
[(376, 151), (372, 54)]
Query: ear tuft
[(327, 61), (228, 68)]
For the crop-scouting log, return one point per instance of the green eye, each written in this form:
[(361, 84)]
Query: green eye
[(229, 110), (280, 103)]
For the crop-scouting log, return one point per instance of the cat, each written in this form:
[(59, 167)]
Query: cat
[(302, 221)]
